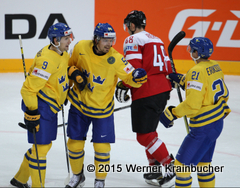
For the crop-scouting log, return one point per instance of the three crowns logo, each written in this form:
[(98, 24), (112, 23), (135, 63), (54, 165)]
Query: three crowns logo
[(65, 87), (98, 80), (62, 79), (85, 73), (89, 87)]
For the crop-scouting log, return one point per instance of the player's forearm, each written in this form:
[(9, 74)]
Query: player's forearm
[(129, 81), (183, 109), (29, 98), (30, 102)]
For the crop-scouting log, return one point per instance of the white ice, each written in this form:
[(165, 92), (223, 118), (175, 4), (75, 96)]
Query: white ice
[(126, 150)]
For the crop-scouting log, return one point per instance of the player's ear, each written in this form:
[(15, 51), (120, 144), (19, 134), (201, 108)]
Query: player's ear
[(55, 42), (132, 26)]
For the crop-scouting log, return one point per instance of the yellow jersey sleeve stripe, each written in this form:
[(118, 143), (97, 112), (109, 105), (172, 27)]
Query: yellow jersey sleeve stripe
[(215, 113)]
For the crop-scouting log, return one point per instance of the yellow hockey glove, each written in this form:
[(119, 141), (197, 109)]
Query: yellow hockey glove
[(75, 74)]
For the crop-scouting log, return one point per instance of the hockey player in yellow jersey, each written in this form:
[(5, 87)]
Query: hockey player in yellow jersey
[(206, 106), (44, 92), (102, 65)]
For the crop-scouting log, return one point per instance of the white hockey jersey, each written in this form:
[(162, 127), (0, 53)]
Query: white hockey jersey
[(144, 50)]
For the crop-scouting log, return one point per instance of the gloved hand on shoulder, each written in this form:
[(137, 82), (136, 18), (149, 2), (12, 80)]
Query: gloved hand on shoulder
[(139, 75), (176, 78), (75, 74)]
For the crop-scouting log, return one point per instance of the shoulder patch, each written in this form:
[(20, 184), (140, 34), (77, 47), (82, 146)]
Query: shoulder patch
[(194, 85), (111, 60), (129, 68), (41, 73)]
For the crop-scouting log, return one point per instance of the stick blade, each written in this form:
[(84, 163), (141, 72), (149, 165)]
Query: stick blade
[(22, 125), (175, 40)]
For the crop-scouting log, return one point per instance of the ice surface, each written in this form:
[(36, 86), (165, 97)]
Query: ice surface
[(126, 150)]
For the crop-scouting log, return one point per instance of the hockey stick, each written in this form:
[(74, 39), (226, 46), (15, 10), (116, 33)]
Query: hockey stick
[(60, 125), (66, 149), (121, 108), (34, 133), (171, 46), (23, 61)]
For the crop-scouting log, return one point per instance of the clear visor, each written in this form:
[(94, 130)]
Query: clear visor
[(110, 41), (125, 27), (69, 33), (189, 49), (109, 38)]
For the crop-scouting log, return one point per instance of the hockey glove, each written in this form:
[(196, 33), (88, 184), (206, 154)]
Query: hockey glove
[(32, 120), (139, 76), (167, 117), (176, 78), (121, 92), (77, 76)]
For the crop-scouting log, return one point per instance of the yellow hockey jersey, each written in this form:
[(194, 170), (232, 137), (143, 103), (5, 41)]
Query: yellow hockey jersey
[(206, 95), (48, 79), (102, 73)]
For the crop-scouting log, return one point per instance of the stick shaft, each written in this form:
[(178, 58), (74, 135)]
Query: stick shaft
[(34, 133), (65, 140), (35, 144), (23, 60), (121, 108), (171, 46)]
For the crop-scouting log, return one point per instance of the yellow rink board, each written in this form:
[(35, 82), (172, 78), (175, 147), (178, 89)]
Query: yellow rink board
[(182, 66)]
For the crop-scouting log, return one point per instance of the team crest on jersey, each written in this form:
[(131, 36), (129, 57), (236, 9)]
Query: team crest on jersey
[(62, 79), (98, 79), (131, 47), (89, 87), (194, 85), (86, 73), (41, 73), (111, 60), (65, 88), (39, 53), (129, 68)]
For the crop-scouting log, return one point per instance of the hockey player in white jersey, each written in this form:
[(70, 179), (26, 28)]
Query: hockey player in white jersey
[(144, 50)]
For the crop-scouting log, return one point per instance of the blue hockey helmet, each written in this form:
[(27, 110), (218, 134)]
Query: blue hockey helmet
[(104, 30), (202, 45), (58, 31)]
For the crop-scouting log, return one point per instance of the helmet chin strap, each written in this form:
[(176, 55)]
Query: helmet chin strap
[(195, 59), (96, 47), (57, 47), (132, 31)]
